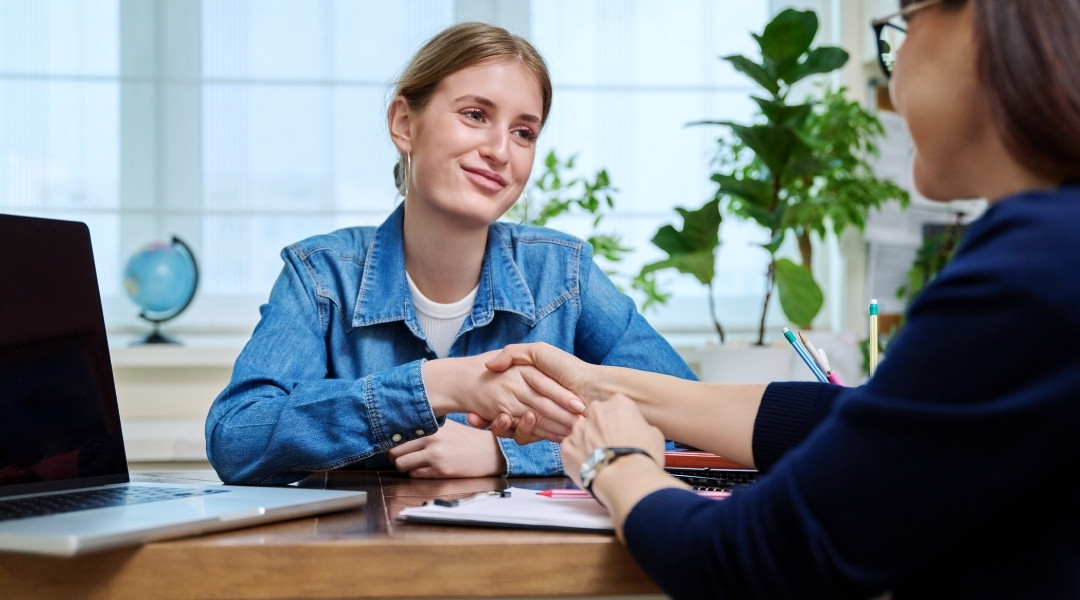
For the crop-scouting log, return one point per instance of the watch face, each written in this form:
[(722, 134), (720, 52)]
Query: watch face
[(588, 468)]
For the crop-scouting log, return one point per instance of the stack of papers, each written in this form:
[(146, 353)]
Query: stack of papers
[(516, 507)]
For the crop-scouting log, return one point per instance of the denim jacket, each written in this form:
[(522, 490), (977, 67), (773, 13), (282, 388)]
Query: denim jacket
[(332, 374)]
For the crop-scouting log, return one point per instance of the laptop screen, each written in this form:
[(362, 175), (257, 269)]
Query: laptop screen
[(59, 420)]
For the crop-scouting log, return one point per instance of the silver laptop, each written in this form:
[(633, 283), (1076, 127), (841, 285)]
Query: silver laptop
[(64, 482)]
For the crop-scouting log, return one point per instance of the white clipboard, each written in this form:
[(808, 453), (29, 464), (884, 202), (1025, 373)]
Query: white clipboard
[(516, 508)]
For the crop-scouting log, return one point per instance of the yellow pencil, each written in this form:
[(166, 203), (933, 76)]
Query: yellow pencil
[(873, 336)]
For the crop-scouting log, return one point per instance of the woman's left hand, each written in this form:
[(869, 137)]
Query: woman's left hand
[(455, 450), (624, 482), (613, 422)]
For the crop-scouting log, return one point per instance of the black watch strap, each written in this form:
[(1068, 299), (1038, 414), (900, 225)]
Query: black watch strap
[(610, 455)]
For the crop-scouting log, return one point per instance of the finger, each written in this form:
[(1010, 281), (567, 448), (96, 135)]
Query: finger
[(509, 356), (477, 421), (500, 363), (426, 473), (538, 433), (550, 428), (407, 463), (523, 433), (503, 426), (550, 415), (553, 390), (551, 431), (406, 448), (524, 430)]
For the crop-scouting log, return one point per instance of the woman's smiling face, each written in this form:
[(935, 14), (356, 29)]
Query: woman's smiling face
[(472, 146)]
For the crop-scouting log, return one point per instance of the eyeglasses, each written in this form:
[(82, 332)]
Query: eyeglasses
[(890, 34)]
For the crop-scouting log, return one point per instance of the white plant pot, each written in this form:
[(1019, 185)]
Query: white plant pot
[(734, 363), (742, 362)]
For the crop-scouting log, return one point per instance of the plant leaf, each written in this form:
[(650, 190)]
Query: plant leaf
[(788, 36), (820, 60), (759, 73), (778, 112), (693, 250), (800, 296), (753, 191), (773, 144)]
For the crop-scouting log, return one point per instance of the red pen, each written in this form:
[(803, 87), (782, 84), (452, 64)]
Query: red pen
[(579, 493)]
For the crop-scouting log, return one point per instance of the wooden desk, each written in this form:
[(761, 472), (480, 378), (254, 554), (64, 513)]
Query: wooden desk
[(363, 553)]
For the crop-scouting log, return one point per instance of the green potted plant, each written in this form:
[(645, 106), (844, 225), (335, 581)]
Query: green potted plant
[(798, 169), (558, 191)]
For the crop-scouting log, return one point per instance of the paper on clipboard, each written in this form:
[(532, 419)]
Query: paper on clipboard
[(519, 508)]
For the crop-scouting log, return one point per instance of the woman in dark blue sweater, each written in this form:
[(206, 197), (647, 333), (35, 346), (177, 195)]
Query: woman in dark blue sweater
[(955, 471)]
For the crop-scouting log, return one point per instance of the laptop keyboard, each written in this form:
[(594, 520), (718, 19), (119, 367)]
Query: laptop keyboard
[(713, 479), (37, 506)]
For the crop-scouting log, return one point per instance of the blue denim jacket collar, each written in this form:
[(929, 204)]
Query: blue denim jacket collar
[(384, 293)]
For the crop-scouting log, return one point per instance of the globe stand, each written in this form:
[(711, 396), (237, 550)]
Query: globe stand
[(155, 336)]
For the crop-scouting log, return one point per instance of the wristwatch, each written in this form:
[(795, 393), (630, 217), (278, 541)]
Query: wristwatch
[(600, 458)]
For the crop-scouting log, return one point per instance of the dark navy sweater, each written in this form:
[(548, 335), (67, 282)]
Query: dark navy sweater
[(953, 473)]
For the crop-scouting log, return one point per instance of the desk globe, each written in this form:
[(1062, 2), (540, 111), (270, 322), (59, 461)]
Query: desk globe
[(161, 279)]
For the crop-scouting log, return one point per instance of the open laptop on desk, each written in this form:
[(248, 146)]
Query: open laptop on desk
[(64, 482)]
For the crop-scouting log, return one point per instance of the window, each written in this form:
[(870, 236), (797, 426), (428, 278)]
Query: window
[(244, 125), (628, 78)]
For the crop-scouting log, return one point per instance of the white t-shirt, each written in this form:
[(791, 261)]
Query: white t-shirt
[(440, 322)]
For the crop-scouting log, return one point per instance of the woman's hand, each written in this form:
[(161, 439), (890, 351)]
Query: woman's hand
[(613, 422), (455, 450), (466, 385), (617, 422), (523, 429), (570, 375), (570, 372)]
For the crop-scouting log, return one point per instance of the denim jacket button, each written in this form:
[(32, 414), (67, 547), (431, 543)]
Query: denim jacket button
[(419, 432), (395, 438)]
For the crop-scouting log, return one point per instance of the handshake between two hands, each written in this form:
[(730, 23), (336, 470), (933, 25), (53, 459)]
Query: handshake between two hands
[(547, 406), (551, 404)]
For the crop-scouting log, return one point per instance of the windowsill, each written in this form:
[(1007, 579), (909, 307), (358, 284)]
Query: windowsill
[(194, 351), (165, 441)]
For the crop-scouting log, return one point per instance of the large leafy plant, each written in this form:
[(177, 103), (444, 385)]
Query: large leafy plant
[(797, 168), (560, 190)]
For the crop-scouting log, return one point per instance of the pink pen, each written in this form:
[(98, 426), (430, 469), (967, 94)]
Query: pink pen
[(829, 373), (579, 493)]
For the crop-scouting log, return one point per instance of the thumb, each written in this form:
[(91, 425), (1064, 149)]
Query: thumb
[(508, 356), (477, 421)]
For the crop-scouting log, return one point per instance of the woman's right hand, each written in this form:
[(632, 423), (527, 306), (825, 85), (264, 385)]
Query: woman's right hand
[(467, 385)]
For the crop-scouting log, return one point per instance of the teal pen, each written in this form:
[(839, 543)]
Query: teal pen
[(804, 356)]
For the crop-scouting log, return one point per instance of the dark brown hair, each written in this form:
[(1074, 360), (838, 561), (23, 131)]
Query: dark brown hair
[(1029, 65)]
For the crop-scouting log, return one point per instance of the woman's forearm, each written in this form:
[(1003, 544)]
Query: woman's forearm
[(714, 417)]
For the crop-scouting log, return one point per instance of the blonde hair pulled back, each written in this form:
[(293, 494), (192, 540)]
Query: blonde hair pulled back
[(453, 49)]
